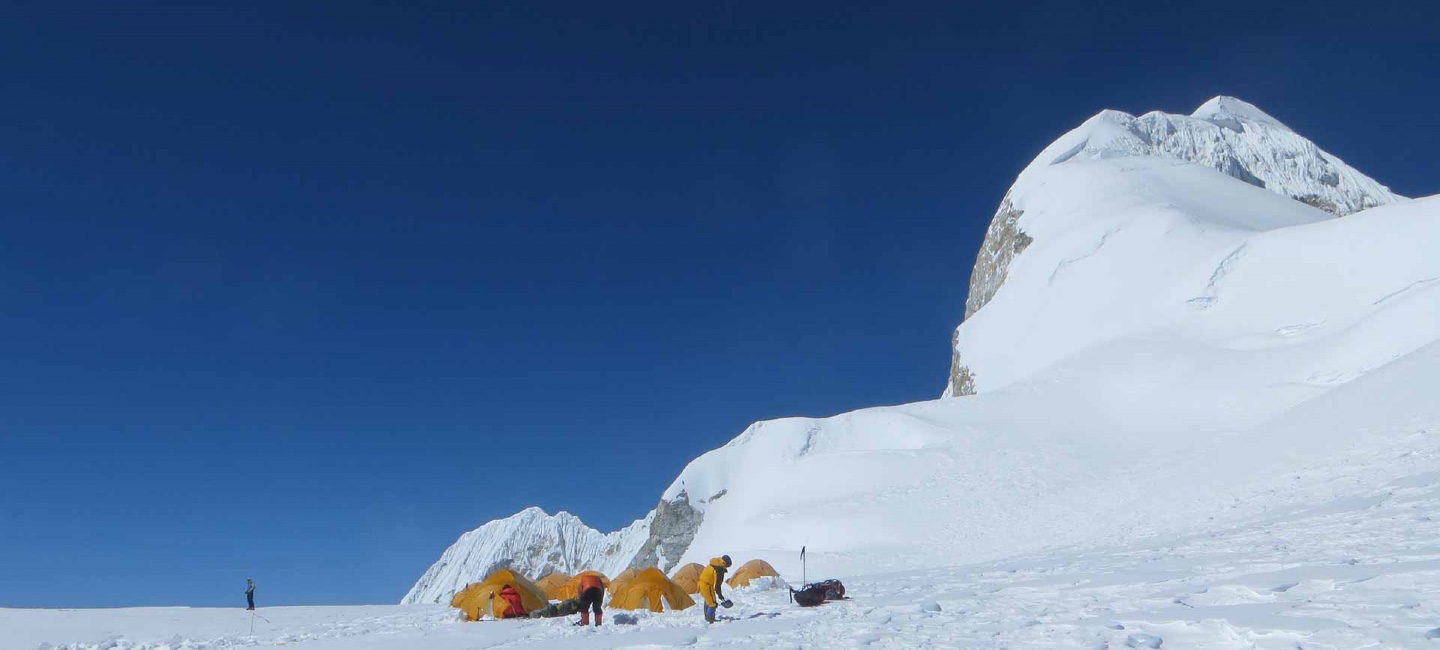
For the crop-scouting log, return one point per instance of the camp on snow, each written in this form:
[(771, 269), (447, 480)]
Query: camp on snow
[(633, 589)]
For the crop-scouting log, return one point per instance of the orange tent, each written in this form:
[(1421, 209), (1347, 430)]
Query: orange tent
[(620, 580), (750, 571), (650, 589), (571, 588), (483, 598), (552, 583), (686, 577)]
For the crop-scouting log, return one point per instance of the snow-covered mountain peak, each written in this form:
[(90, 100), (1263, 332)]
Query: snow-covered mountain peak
[(531, 542), (1233, 113), (1230, 136), (535, 514), (1225, 135)]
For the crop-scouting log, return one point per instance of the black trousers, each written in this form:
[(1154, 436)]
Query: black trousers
[(591, 599), (250, 599)]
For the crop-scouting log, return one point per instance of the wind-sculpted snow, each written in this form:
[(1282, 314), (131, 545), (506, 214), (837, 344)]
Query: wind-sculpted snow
[(531, 543)]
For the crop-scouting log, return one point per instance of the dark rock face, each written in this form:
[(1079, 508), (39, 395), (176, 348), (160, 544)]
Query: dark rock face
[(1003, 241), (1315, 201), (671, 532), (962, 380)]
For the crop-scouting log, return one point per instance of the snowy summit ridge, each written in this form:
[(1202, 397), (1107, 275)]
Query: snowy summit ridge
[(531, 543), (1231, 136)]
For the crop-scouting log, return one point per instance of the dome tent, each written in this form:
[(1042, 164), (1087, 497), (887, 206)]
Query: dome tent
[(686, 576), (571, 588), (552, 583), (749, 571), (481, 598), (619, 581), (650, 589)]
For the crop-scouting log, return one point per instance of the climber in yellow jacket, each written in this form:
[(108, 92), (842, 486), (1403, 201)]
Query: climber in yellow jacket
[(712, 577)]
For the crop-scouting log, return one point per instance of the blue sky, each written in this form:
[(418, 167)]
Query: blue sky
[(304, 291)]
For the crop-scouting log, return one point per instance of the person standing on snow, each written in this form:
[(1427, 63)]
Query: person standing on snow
[(710, 582), (249, 594), (592, 591), (516, 606)]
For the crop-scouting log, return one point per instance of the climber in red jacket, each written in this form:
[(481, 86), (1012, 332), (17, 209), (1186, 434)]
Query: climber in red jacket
[(592, 591)]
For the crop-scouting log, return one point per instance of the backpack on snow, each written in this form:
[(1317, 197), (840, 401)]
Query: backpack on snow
[(818, 592)]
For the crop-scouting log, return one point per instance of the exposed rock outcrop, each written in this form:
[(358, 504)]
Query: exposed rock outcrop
[(962, 380), (1003, 241), (671, 530)]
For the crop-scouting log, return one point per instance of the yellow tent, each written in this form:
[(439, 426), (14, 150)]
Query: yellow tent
[(483, 598), (650, 589), (750, 571), (571, 588), (686, 577), (620, 580), (552, 583)]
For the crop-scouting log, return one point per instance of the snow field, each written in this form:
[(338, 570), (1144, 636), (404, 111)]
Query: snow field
[(1360, 571)]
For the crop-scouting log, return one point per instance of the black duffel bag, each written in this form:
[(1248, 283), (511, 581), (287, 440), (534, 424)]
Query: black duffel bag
[(818, 592)]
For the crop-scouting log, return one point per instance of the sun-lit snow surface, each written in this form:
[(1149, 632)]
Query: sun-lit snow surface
[(1135, 248), (1357, 571), (532, 543)]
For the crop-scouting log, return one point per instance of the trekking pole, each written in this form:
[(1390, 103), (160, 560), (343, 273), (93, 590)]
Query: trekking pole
[(804, 579)]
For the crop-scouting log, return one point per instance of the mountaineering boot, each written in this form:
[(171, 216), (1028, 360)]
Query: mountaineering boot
[(598, 617), (584, 617)]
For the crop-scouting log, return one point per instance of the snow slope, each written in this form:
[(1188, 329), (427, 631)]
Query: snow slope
[(531, 543), (1225, 134), (1163, 319), (1359, 571), (1127, 443)]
